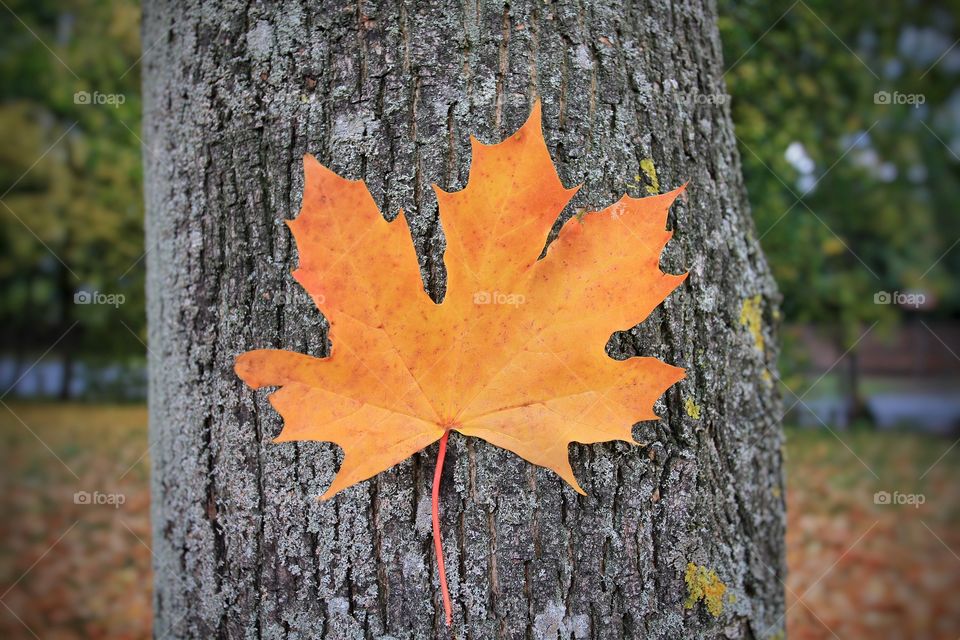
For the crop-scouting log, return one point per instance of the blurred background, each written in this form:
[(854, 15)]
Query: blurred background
[(848, 123)]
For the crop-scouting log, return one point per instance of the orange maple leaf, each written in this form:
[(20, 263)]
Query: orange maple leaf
[(515, 352)]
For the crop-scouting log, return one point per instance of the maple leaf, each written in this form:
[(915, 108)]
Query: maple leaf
[(515, 352)]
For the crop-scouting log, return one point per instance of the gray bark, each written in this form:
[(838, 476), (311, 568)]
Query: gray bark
[(235, 94)]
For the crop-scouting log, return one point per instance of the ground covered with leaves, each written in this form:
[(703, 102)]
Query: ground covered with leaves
[(75, 559), (873, 547)]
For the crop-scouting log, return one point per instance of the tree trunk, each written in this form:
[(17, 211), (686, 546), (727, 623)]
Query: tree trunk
[(65, 293), (235, 94)]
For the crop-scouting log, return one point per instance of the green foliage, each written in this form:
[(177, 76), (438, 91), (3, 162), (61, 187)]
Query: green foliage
[(70, 175), (881, 209)]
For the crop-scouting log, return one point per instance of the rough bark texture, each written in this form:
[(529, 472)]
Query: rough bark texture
[(235, 94)]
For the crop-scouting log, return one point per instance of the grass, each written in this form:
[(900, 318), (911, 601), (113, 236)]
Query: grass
[(856, 568)]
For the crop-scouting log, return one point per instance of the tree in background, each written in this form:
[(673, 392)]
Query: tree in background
[(70, 179), (849, 129)]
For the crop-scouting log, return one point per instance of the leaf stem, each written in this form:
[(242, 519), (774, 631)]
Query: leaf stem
[(436, 526)]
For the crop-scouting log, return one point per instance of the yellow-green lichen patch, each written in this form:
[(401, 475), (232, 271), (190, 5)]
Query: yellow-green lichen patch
[(703, 585), (646, 165), (692, 408), (751, 316)]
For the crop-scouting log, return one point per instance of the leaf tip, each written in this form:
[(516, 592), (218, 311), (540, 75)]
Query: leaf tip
[(475, 145), (244, 368), (681, 190), (678, 374), (536, 113), (534, 123), (334, 488)]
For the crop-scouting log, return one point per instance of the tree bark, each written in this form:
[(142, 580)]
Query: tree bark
[(235, 94)]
